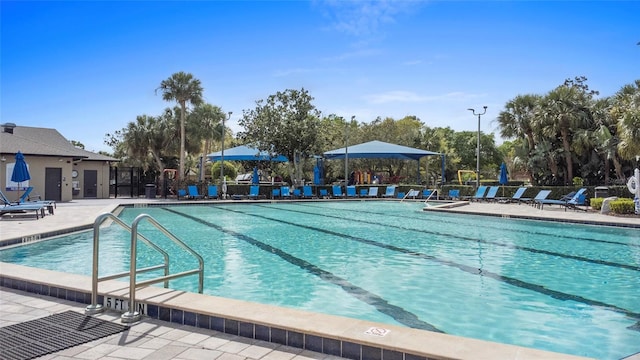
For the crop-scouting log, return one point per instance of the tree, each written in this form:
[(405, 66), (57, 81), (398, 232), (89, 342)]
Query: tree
[(206, 122), (518, 120), (626, 111), (77, 144), (286, 123), (182, 87)]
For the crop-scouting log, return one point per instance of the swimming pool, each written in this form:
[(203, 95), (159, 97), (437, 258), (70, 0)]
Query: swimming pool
[(560, 287)]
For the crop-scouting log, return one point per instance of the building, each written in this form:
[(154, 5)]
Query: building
[(59, 171)]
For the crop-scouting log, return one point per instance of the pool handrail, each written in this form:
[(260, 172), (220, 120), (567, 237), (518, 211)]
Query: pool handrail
[(94, 307)]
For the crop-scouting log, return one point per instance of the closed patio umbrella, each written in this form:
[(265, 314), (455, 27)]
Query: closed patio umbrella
[(255, 178), (20, 171), (504, 177)]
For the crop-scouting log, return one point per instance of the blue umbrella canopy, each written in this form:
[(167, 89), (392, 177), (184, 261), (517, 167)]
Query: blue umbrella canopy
[(20, 170), (504, 177)]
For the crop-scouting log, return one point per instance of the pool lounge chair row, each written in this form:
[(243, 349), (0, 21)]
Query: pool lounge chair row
[(25, 206)]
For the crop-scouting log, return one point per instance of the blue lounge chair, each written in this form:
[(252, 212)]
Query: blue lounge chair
[(364, 192), (491, 194), (212, 192), (336, 191), (578, 198), (307, 192), (324, 193), (516, 197), (542, 194), (296, 193), (412, 194), (49, 204), (285, 192), (390, 192), (351, 191), (254, 192), (275, 193), (373, 191), (454, 194), (479, 195), (182, 193), (193, 192), (24, 208)]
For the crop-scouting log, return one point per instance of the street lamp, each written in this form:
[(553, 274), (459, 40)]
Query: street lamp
[(223, 181), (478, 148)]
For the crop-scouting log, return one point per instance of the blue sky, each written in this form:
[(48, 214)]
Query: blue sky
[(89, 68)]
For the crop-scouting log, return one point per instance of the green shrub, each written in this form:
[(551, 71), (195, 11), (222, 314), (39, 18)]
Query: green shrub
[(623, 206), (596, 203)]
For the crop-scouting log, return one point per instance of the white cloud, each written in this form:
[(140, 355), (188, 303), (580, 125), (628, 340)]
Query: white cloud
[(412, 97), (364, 17)]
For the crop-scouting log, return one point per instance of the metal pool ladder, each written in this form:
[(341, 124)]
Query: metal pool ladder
[(131, 315)]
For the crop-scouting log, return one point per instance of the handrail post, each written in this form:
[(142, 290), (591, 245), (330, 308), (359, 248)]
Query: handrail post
[(94, 307), (132, 315)]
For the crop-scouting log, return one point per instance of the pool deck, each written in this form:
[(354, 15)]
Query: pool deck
[(157, 339)]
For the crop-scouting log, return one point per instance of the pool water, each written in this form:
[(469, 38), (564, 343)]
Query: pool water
[(554, 286)]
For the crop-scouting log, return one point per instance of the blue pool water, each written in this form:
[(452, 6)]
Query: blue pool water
[(554, 286)]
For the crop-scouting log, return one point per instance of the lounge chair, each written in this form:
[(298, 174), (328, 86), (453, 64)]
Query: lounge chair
[(212, 192), (578, 198), (454, 194), (307, 192), (297, 194), (182, 193), (390, 192), (275, 193), (364, 192), (373, 191), (324, 193), (542, 194), (410, 194), (479, 195), (254, 192), (516, 197), (193, 192), (49, 204), (336, 191), (351, 191), (491, 193), (24, 208), (285, 192)]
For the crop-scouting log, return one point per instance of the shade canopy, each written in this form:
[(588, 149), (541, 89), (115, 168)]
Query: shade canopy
[(245, 153), (379, 150)]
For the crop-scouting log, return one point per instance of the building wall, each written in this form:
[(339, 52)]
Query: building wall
[(37, 170), (102, 185)]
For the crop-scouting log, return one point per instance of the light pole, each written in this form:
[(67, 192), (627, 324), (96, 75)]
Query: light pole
[(223, 181), (478, 148)]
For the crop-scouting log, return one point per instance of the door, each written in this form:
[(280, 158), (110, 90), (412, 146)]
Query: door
[(53, 184), (90, 184)]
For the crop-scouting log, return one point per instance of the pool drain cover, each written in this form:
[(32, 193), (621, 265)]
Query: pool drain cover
[(52, 333)]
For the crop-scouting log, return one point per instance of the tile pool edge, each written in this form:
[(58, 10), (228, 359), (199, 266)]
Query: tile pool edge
[(327, 334)]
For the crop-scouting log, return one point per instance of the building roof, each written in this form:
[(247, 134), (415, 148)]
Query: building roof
[(43, 142)]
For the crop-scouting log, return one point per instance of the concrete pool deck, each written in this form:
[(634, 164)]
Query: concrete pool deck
[(156, 339)]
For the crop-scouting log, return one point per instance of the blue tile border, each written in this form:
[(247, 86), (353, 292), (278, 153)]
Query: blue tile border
[(296, 339)]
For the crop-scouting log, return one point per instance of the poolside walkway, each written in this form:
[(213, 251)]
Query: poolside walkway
[(153, 339)]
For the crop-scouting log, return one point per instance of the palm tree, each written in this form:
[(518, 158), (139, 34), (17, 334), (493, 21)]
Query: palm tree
[(206, 120), (518, 120), (626, 111), (563, 110), (182, 87)]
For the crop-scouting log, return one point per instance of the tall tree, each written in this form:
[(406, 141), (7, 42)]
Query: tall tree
[(183, 88), (626, 111), (518, 120), (206, 122), (286, 123)]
